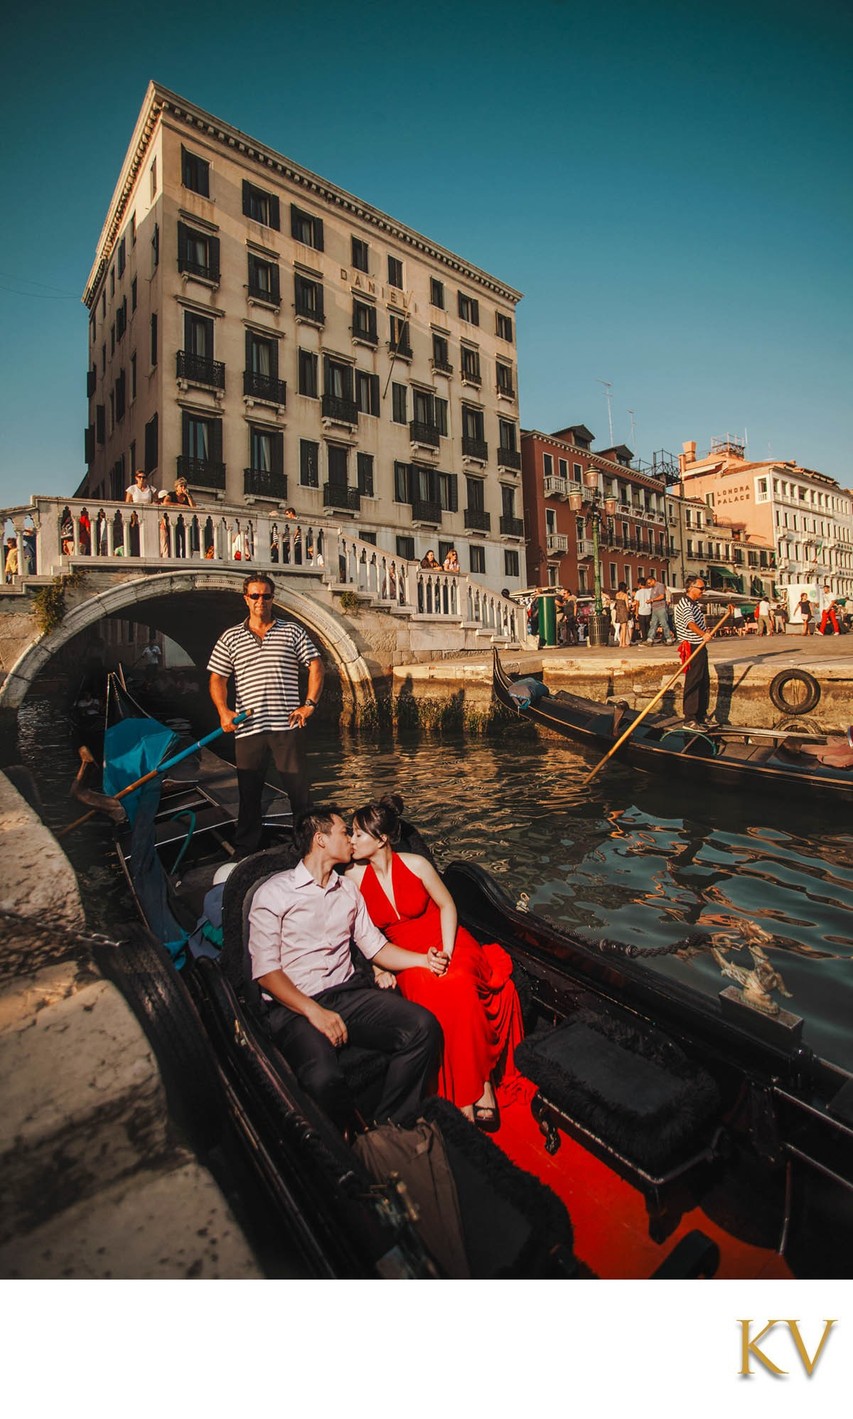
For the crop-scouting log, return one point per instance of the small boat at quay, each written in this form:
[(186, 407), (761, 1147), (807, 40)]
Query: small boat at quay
[(793, 761), (670, 1134)]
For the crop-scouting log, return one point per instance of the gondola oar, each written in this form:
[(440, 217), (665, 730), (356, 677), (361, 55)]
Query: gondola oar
[(160, 769), (659, 696)]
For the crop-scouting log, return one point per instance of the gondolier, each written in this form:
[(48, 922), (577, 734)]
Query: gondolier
[(264, 654), (691, 628)]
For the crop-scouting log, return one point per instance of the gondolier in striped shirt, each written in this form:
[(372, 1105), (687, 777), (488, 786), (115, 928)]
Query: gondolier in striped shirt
[(264, 654), (690, 627)]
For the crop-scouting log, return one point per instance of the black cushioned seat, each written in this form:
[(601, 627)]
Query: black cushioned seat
[(627, 1088)]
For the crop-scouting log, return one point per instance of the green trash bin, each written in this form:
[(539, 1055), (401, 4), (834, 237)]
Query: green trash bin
[(547, 620)]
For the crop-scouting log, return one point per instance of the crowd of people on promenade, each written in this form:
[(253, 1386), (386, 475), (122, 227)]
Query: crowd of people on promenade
[(646, 614)]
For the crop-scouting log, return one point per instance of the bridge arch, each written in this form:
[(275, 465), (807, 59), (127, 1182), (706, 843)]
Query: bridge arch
[(355, 677)]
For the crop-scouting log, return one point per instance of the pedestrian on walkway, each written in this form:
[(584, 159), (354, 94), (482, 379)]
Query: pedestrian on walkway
[(828, 612), (805, 609), (658, 618), (762, 616)]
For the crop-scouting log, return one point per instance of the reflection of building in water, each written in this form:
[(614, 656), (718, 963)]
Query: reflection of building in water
[(275, 340)]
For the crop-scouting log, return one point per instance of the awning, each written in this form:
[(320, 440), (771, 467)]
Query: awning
[(727, 577)]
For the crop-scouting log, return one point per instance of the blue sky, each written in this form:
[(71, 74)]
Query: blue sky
[(668, 183)]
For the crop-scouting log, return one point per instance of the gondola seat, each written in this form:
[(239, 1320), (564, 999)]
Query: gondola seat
[(628, 1092)]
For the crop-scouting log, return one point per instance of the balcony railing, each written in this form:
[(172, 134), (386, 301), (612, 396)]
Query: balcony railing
[(404, 350), (426, 512), (313, 314), (366, 335), (442, 366), (261, 483), (264, 386), (206, 270), (339, 495), (475, 448), (557, 542), (556, 487), (471, 376), (198, 370), (506, 390), (202, 472), (343, 411), (509, 458), (424, 433), (512, 526), (477, 519)]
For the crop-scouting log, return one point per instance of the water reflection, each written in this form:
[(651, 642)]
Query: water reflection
[(631, 858)]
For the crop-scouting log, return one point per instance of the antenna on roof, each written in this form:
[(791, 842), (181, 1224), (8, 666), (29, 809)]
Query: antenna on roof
[(608, 394), (631, 412)]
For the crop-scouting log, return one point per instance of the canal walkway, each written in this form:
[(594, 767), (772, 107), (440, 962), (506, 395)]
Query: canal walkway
[(742, 671), (97, 1179)]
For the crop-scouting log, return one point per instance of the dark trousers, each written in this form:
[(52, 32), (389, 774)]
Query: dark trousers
[(644, 626), (697, 687), (253, 753), (375, 1019)]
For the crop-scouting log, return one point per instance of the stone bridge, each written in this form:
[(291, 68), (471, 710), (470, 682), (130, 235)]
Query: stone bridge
[(368, 609)]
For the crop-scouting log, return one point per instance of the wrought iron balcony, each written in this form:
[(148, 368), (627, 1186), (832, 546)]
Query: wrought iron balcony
[(366, 334), (313, 314), (509, 458), (343, 411), (424, 433), (477, 519), (340, 495), (426, 512), (261, 483), (442, 366), (198, 370), (470, 375), (475, 448), (512, 526), (206, 270), (264, 386), (404, 350), (506, 390), (202, 472)]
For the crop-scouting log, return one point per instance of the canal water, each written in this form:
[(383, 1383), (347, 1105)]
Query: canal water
[(631, 857)]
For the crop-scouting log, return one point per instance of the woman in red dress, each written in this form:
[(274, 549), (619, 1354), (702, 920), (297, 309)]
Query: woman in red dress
[(475, 1001)]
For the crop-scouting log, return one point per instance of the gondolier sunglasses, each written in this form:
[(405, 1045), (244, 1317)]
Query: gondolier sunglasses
[(259, 595)]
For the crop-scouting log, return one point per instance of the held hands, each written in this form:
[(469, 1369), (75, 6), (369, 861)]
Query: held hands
[(329, 1023), (437, 961), (386, 980)]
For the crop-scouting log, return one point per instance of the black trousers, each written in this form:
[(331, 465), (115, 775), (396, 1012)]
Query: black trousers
[(375, 1019), (253, 752), (697, 687)]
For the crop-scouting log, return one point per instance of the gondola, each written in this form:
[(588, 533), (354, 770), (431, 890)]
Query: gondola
[(669, 1135), (785, 760)]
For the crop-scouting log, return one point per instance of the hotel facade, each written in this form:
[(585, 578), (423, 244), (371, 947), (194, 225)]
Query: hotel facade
[(282, 344)]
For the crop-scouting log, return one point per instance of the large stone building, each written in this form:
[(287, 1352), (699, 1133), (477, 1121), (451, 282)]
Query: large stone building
[(278, 342), (633, 544), (804, 516)]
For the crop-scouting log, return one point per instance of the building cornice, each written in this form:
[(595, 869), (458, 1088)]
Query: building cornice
[(607, 465), (159, 102)]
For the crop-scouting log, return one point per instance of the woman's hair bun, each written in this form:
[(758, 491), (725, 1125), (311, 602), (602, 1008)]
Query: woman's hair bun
[(392, 801)]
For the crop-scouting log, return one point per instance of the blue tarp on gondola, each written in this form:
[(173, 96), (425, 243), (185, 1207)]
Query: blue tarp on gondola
[(132, 748)]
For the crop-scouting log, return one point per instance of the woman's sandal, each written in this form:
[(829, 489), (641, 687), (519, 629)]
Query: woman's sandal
[(487, 1117)]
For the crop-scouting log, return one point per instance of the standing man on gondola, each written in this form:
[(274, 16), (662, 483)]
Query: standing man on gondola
[(691, 630), (263, 654)]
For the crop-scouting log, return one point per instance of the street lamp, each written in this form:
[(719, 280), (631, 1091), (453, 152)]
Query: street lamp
[(595, 508)]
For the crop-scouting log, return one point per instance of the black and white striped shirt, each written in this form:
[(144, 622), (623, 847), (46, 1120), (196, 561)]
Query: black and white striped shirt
[(266, 672), (685, 611)]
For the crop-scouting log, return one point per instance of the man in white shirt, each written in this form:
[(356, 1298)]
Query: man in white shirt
[(643, 599), (763, 617), (301, 923)]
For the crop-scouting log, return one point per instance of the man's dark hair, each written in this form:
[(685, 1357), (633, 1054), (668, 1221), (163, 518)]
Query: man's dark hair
[(315, 820), (258, 576)]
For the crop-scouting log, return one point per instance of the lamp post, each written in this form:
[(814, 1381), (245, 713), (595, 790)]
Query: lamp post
[(595, 509)]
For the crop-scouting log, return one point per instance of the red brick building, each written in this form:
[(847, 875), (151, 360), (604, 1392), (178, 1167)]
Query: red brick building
[(633, 544)]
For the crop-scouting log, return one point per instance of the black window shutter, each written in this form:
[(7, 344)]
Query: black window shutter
[(278, 453), (475, 312), (275, 216), (294, 221), (213, 250), (216, 440), (275, 289), (374, 393), (453, 492), (247, 188), (249, 339), (318, 233)]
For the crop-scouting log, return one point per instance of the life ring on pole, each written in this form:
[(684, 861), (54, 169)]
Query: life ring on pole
[(794, 691)]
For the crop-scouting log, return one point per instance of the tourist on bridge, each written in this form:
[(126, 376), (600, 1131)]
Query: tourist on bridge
[(140, 490), (263, 654)]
